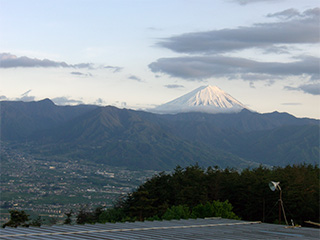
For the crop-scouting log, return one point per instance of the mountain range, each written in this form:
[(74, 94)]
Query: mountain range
[(145, 140)]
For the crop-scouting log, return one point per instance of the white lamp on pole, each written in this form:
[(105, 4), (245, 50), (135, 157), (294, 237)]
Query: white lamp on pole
[(276, 186)]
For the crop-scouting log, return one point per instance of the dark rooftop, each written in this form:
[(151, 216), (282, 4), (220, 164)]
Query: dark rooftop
[(213, 228)]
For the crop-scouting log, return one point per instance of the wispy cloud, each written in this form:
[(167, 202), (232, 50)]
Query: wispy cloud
[(301, 28), (81, 74), (114, 69), (154, 29), (294, 13), (2, 97), (245, 2), (313, 88), (66, 101), (291, 104), (286, 14), (25, 97), (8, 60), (174, 86), (26, 93), (77, 73), (203, 67), (135, 78), (207, 51), (99, 101)]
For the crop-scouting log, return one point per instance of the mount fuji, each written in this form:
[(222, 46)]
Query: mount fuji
[(208, 99)]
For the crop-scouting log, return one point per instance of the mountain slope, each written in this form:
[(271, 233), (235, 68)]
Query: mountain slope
[(244, 121), (20, 119), (137, 139), (283, 146), (124, 137), (272, 139), (209, 99)]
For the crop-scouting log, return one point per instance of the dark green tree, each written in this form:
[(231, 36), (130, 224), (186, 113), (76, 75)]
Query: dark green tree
[(142, 205), (203, 211), (177, 212), (68, 220), (17, 218), (84, 217), (223, 209), (37, 222), (112, 215)]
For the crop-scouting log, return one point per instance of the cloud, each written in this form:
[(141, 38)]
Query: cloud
[(25, 97), (286, 14), (245, 2), (132, 77), (26, 93), (114, 69), (99, 101), (313, 88), (66, 101), (291, 104), (294, 13), (276, 49), (82, 65), (291, 88), (8, 60), (81, 74), (2, 97), (203, 67), (123, 104), (173, 86), (304, 29), (77, 73), (255, 77), (251, 84), (154, 29)]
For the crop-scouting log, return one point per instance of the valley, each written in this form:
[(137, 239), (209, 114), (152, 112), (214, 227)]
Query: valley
[(50, 187), (60, 158)]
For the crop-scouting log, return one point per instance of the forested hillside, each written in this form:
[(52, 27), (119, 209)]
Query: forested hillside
[(196, 192)]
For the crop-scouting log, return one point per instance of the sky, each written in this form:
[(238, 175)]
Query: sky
[(138, 54)]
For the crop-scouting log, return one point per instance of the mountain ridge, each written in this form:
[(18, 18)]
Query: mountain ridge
[(124, 137), (121, 136), (19, 119)]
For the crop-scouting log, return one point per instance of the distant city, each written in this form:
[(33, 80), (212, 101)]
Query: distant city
[(49, 188)]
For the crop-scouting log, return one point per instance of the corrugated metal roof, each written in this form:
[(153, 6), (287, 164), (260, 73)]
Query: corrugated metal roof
[(213, 228)]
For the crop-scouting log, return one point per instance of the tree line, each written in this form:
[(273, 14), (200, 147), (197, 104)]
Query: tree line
[(194, 192), (244, 195)]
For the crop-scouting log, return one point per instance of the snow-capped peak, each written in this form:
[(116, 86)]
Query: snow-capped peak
[(210, 99)]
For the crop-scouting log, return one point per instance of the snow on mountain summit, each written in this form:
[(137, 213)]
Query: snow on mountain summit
[(209, 99)]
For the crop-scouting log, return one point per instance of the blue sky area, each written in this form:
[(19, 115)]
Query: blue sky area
[(141, 53)]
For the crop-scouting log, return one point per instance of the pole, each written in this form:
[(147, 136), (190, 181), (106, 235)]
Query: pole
[(280, 203), (280, 209), (264, 210)]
